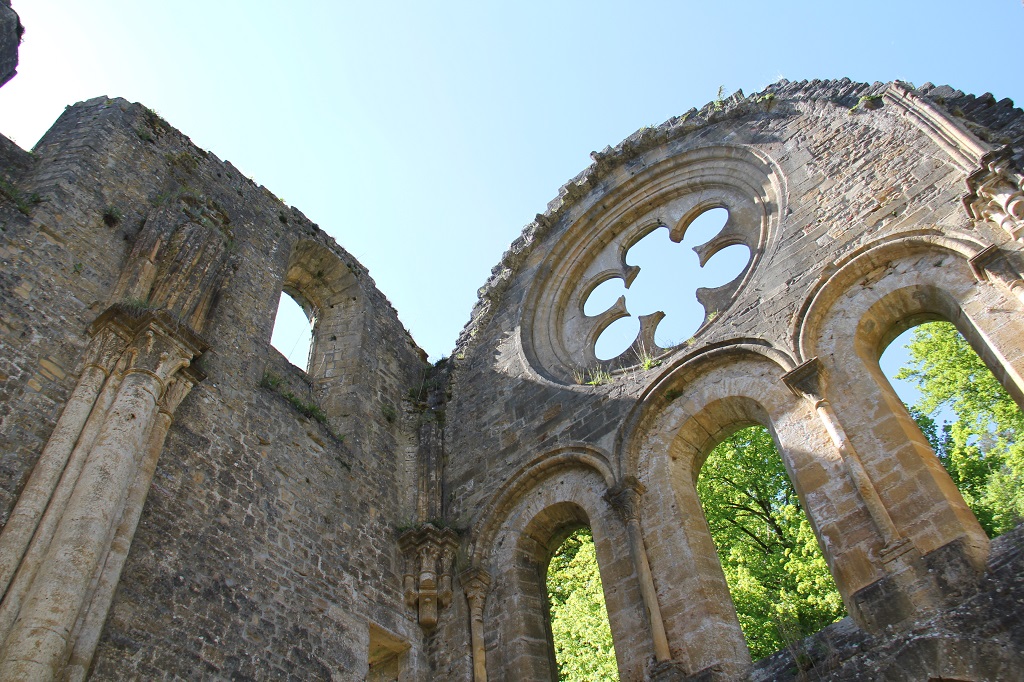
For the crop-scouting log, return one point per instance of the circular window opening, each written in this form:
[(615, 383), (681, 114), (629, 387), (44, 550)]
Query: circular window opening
[(668, 277)]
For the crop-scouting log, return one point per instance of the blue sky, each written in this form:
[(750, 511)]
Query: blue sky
[(423, 136)]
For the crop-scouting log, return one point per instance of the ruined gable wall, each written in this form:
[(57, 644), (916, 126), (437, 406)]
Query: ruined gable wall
[(266, 545), (846, 179), (841, 171)]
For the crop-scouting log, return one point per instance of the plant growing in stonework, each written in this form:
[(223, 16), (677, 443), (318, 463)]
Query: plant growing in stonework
[(593, 376), (646, 358), (112, 216)]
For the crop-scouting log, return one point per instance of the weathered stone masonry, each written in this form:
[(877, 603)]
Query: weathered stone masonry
[(180, 502)]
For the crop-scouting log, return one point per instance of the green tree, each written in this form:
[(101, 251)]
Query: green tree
[(579, 619), (981, 447), (777, 576)]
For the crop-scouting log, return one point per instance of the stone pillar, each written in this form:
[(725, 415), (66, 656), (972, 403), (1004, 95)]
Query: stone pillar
[(805, 382), (475, 584), (914, 581), (90, 624), (625, 499), (101, 495), (102, 354)]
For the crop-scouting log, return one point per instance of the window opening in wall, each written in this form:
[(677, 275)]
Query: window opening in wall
[(293, 331), (972, 423), (670, 274), (387, 657), (776, 573), (579, 619)]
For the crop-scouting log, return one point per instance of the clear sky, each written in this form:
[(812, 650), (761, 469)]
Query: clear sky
[(423, 136)]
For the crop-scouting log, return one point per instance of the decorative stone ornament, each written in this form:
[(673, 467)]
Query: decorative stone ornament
[(996, 193), (429, 556)]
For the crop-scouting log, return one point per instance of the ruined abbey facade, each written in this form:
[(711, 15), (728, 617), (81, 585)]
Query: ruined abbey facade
[(180, 502)]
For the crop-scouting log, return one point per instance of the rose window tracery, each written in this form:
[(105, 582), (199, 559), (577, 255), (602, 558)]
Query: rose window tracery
[(590, 286)]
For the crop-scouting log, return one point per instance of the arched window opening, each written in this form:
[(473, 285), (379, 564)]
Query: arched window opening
[(293, 330), (579, 619), (972, 423), (778, 578)]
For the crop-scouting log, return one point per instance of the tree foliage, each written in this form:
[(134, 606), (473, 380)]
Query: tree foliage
[(579, 619), (981, 447), (778, 578)]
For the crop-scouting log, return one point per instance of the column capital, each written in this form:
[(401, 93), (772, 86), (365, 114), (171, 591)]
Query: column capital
[(805, 379), (624, 498), (476, 583)]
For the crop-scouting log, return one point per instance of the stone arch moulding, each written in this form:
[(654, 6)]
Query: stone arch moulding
[(891, 286), (693, 408), (490, 521), (590, 248), (878, 293), (564, 493), (986, 262)]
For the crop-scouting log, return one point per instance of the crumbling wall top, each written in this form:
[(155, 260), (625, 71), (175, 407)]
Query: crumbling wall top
[(997, 123)]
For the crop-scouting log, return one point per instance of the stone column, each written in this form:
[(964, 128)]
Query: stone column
[(805, 381), (625, 499), (90, 624), (61, 589), (475, 584), (103, 353)]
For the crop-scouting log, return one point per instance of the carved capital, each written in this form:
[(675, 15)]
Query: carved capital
[(625, 498), (995, 192), (805, 380), (476, 582), (148, 341), (429, 558)]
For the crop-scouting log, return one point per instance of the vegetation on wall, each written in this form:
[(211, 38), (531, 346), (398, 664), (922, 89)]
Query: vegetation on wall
[(981, 446)]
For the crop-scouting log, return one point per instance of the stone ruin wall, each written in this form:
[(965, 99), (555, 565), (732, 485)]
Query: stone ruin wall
[(261, 526), (865, 208), (380, 518)]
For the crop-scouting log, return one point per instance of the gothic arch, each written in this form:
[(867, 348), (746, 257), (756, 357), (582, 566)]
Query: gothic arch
[(876, 295), (563, 493), (693, 408), (329, 294)]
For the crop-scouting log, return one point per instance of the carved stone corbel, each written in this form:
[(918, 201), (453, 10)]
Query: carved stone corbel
[(429, 557), (997, 265), (995, 192)]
